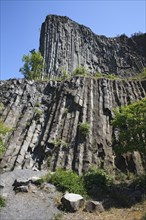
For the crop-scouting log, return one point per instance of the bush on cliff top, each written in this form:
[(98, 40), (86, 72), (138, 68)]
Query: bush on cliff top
[(33, 68)]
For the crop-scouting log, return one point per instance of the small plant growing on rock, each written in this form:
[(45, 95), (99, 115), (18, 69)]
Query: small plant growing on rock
[(2, 202), (98, 75), (84, 128), (58, 216), (37, 114), (59, 142), (65, 111), (2, 107), (3, 131), (37, 104), (64, 75), (80, 71)]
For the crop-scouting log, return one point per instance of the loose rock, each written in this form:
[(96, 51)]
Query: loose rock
[(72, 202)]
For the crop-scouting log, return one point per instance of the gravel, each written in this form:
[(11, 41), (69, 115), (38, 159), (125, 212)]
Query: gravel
[(35, 205)]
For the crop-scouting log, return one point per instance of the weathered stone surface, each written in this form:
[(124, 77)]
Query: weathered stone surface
[(67, 45), (62, 106), (72, 202), (49, 187), (23, 189), (94, 206), (21, 182), (35, 179)]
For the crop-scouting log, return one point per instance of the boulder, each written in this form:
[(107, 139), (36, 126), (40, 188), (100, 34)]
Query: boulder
[(21, 189), (48, 187), (20, 182), (72, 202), (35, 180), (94, 206)]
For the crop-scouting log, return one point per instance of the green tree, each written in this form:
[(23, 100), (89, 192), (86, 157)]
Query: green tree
[(33, 67), (130, 122)]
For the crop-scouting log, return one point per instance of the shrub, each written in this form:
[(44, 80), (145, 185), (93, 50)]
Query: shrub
[(80, 71), (143, 217), (84, 128), (96, 179), (2, 107), (2, 202), (3, 131), (37, 114), (64, 75), (112, 76), (141, 181), (98, 75), (68, 181), (130, 122), (2, 147)]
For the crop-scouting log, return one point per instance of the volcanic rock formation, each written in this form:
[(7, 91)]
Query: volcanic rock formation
[(66, 45), (45, 118)]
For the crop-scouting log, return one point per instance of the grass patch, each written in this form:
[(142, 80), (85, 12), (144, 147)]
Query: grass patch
[(80, 71), (84, 128)]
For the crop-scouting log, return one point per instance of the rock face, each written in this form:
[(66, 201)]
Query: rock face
[(66, 45), (45, 118)]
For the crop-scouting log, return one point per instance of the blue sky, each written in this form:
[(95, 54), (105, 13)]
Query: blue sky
[(20, 23)]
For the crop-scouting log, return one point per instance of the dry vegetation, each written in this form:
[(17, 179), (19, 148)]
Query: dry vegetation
[(136, 212)]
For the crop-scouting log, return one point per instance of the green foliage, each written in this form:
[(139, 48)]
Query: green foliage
[(2, 202), (59, 142), (2, 107), (80, 71), (68, 181), (33, 66), (112, 76), (98, 75), (107, 76), (3, 128), (3, 131), (45, 178), (2, 147), (142, 75), (58, 216), (37, 104), (84, 128), (37, 114), (64, 75), (144, 217), (141, 181), (96, 179), (130, 121)]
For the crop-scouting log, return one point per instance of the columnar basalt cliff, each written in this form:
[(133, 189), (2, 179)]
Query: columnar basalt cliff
[(45, 118), (66, 45)]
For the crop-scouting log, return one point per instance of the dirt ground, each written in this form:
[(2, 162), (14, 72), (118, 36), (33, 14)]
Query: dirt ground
[(134, 213)]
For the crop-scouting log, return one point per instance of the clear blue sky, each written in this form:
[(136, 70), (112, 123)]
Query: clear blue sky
[(20, 24)]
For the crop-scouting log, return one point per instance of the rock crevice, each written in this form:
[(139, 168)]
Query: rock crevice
[(45, 118), (67, 45)]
